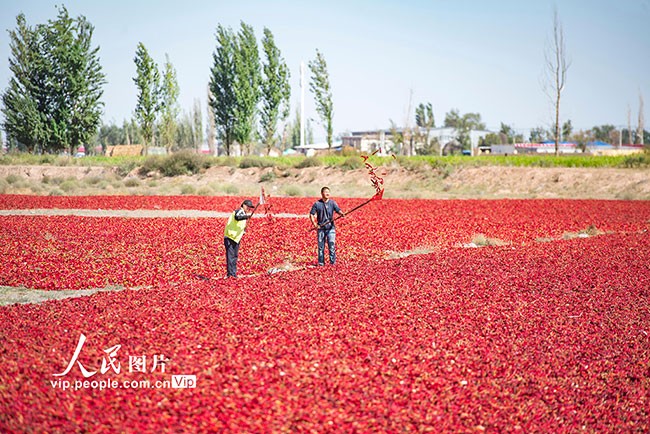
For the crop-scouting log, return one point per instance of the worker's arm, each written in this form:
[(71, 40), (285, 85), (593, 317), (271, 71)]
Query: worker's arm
[(240, 214)]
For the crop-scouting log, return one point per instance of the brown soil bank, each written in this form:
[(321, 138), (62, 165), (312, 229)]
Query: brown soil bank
[(488, 182)]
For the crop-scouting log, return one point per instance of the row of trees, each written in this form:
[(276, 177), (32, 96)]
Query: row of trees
[(414, 140), (244, 88), (53, 102)]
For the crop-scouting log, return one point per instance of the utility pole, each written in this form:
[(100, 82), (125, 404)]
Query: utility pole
[(407, 130), (641, 126), (302, 103)]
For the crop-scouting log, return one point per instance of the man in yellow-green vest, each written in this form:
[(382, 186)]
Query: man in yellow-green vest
[(234, 232)]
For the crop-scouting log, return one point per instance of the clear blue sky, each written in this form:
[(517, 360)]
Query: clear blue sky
[(473, 55)]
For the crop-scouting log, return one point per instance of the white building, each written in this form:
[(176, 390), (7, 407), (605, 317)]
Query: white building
[(381, 140)]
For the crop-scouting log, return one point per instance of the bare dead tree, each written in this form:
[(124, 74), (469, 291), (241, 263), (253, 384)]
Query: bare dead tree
[(641, 126), (556, 69)]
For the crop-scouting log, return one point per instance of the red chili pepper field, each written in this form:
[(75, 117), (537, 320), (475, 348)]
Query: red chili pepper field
[(440, 316)]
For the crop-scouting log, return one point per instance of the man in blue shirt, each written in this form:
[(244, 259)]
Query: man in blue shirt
[(322, 219)]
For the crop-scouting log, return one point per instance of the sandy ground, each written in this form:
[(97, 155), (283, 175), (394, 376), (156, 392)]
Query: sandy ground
[(487, 182)]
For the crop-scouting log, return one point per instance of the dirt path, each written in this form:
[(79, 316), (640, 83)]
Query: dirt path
[(484, 182), (138, 213), (21, 295)]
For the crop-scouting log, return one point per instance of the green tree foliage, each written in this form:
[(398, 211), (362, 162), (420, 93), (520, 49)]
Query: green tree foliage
[(424, 116), (425, 122), (276, 91), (320, 87), (53, 102), (114, 135), (506, 134), (397, 137), (538, 135), (247, 85), (567, 129), (132, 132), (24, 99), (110, 135), (463, 125), (222, 95), (170, 108), (581, 138), (185, 132), (492, 139), (604, 133), (149, 103)]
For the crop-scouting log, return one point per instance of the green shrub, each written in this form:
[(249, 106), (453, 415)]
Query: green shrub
[(352, 163), (636, 160), (36, 188), (56, 192), (46, 159), (12, 179), (69, 185), (267, 177), (132, 182), (227, 161), (348, 151), (92, 180), (183, 163), (188, 189), (309, 162), (150, 164), (230, 189), (292, 190), (204, 191), (247, 162), (125, 167)]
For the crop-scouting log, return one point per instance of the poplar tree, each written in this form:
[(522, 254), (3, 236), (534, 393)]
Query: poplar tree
[(75, 85), (24, 99), (247, 85), (276, 91), (147, 80), (222, 96), (320, 87), (424, 120), (169, 102)]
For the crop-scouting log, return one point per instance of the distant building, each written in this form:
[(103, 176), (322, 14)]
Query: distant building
[(602, 148), (312, 149), (547, 147), (502, 150), (124, 150), (382, 140)]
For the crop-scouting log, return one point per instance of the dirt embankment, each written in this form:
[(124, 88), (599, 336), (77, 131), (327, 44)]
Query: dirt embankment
[(486, 182)]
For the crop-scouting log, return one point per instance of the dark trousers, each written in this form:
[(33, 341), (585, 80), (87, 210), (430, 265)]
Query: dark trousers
[(232, 253)]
